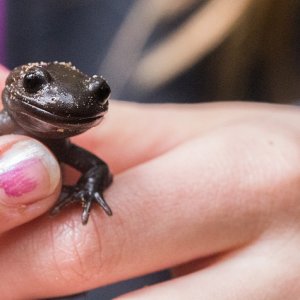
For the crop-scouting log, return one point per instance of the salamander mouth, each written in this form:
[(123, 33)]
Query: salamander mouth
[(44, 115)]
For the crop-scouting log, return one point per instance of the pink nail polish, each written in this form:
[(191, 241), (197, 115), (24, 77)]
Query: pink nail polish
[(27, 172), (16, 181)]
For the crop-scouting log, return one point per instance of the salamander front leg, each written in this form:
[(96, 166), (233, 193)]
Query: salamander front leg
[(95, 178)]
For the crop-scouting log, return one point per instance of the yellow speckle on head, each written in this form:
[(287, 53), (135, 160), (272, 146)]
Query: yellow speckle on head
[(60, 130)]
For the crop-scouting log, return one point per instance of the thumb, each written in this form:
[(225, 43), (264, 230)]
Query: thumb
[(29, 180)]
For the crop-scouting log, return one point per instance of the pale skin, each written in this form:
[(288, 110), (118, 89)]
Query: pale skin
[(211, 191)]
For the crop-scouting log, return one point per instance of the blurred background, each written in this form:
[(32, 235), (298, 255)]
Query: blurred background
[(163, 51)]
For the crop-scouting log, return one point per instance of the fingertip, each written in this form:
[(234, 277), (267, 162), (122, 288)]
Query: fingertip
[(3, 69), (29, 180), (3, 74)]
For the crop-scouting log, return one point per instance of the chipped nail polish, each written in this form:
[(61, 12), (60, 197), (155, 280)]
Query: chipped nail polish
[(28, 172)]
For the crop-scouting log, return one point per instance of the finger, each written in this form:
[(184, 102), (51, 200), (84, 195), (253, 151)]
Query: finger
[(3, 74), (29, 180), (265, 270), (134, 133), (218, 208), (131, 134)]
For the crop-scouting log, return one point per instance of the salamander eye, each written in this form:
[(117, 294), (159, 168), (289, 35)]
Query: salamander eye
[(35, 79)]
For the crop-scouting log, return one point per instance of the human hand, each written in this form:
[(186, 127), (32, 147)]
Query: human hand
[(210, 190)]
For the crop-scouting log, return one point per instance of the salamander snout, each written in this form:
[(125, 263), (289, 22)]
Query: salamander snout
[(99, 87)]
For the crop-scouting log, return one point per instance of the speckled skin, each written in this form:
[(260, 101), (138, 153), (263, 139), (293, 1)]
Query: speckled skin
[(52, 102)]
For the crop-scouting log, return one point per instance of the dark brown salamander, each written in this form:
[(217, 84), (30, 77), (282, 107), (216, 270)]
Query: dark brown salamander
[(52, 102)]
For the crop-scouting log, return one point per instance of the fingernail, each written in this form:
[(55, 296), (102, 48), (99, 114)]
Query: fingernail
[(28, 171)]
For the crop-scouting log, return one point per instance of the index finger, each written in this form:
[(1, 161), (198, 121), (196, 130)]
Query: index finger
[(3, 74), (133, 133)]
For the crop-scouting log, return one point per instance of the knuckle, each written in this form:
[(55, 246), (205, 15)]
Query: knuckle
[(84, 253)]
